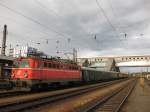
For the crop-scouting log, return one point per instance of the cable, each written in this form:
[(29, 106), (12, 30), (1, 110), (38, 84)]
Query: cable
[(112, 8), (31, 19), (16, 22), (23, 37), (44, 7), (115, 15), (102, 10), (29, 28)]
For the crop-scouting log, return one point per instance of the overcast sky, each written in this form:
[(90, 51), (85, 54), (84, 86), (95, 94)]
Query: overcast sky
[(66, 24)]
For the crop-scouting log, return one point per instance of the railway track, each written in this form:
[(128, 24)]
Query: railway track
[(147, 82), (110, 103), (13, 93), (25, 103)]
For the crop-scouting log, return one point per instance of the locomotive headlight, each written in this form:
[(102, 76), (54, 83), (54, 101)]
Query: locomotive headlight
[(26, 74)]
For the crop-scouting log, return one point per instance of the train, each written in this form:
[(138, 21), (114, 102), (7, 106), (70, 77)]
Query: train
[(34, 73), (93, 75)]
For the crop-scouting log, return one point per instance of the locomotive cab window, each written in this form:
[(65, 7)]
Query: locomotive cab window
[(16, 64), (61, 66), (58, 66), (45, 65), (54, 66), (41, 65), (49, 65), (69, 67), (24, 64)]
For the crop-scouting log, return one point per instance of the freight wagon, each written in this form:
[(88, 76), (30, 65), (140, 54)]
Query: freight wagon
[(92, 74)]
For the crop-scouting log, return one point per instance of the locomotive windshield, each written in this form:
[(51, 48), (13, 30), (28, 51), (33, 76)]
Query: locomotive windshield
[(16, 64), (22, 64)]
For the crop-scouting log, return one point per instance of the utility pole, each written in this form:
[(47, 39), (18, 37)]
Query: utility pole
[(4, 40), (11, 50), (74, 55)]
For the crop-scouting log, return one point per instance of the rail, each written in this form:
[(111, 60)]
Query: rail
[(110, 103), (28, 103)]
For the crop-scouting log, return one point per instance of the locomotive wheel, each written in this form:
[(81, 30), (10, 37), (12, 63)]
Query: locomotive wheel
[(40, 87), (43, 86), (34, 87)]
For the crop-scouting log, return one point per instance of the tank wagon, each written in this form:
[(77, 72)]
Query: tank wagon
[(34, 73)]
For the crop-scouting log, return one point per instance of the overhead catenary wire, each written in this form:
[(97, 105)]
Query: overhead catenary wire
[(113, 12), (34, 21), (31, 19), (119, 22), (24, 26), (109, 22), (115, 15), (47, 8), (49, 12), (44, 37), (54, 12), (33, 41)]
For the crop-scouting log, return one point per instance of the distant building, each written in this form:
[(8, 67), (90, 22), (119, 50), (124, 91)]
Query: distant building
[(23, 51)]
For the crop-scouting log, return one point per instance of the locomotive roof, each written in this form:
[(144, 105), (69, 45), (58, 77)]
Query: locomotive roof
[(94, 69), (51, 59)]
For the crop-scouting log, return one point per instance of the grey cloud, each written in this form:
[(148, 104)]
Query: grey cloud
[(79, 20)]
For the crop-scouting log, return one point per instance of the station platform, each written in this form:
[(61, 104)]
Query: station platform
[(139, 99)]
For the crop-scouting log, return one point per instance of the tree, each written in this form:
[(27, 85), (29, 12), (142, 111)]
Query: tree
[(86, 63)]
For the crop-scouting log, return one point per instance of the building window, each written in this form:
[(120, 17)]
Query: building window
[(57, 66), (54, 66)]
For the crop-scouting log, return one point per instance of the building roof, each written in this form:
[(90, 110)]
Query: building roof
[(7, 58)]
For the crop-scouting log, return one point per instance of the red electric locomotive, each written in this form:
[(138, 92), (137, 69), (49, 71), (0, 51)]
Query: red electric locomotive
[(34, 72)]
